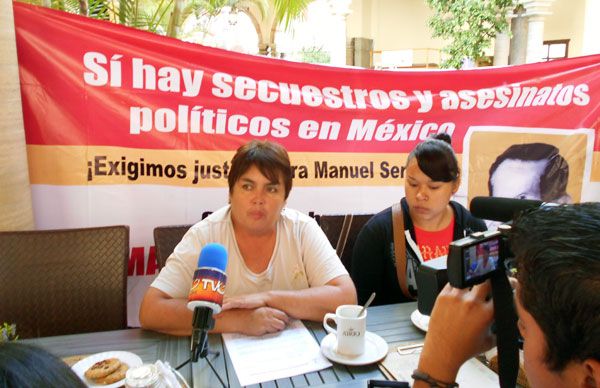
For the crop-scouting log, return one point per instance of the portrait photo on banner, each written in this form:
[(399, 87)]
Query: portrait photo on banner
[(551, 165)]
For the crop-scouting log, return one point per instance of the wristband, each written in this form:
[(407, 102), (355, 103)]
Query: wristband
[(422, 376)]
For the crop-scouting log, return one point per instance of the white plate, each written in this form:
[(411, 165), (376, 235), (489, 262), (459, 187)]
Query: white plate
[(132, 360), (375, 349), (419, 320)]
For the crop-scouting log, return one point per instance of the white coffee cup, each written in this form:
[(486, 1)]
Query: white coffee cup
[(350, 331)]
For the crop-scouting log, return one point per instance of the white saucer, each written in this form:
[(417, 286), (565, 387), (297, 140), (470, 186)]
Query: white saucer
[(132, 360), (419, 320), (375, 349)]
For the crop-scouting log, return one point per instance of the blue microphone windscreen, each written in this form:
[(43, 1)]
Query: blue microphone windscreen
[(213, 255)]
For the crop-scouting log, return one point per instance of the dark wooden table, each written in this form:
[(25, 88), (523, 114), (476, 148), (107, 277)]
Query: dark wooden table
[(391, 322)]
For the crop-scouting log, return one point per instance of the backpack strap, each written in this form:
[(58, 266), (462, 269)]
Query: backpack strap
[(400, 248)]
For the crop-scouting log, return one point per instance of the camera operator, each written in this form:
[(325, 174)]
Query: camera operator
[(557, 297)]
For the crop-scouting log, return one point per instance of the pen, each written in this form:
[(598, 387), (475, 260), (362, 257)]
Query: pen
[(387, 383), (404, 348)]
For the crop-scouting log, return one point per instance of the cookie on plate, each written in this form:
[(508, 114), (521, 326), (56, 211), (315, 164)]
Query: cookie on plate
[(117, 375), (102, 368)]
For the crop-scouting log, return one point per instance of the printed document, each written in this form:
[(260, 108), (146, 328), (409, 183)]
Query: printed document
[(290, 352)]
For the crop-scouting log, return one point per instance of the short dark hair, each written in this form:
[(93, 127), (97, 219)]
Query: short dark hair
[(557, 252), (270, 158), (554, 179), (436, 158), (23, 365)]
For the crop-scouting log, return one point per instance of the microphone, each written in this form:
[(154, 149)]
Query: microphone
[(206, 295), (499, 208)]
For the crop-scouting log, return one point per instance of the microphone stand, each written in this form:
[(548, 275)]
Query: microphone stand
[(202, 322)]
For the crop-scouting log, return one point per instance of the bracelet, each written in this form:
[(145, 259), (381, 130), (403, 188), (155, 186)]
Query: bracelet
[(422, 376)]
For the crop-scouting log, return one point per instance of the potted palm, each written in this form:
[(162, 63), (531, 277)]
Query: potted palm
[(8, 332)]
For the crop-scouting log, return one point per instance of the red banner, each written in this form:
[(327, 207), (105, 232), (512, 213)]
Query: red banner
[(90, 82)]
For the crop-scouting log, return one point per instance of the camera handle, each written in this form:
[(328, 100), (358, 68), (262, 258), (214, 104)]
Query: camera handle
[(507, 333)]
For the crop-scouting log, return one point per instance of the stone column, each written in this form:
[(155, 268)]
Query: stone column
[(535, 39), (363, 52), (518, 42), (501, 49), (15, 193), (536, 11), (340, 10)]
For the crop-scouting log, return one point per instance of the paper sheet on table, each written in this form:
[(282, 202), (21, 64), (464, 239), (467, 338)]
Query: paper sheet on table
[(290, 352), (473, 373)]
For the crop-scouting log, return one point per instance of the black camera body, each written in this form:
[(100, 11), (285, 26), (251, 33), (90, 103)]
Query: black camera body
[(475, 258), (431, 278), (471, 260)]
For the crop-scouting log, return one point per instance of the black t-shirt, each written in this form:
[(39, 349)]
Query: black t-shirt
[(373, 267)]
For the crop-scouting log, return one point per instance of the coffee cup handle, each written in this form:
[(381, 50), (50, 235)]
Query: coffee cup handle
[(328, 328)]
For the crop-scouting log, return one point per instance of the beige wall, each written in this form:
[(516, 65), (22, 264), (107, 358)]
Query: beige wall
[(356, 21), (15, 196), (591, 43), (393, 24), (402, 24), (567, 22)]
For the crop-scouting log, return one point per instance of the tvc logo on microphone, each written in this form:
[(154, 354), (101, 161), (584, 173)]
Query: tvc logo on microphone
[(208, 284)]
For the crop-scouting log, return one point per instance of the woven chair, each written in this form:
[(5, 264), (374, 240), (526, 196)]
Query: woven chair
[(165, 240), (68, 281), (342, 230)]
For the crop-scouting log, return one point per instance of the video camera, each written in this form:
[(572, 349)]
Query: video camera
[(471, 260), (460, 267), (475, 258)]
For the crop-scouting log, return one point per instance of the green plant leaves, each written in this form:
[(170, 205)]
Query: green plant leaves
[(8, 332), (468, 25)]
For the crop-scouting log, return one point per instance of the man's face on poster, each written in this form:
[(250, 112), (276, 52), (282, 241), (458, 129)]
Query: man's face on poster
[(516, 178)]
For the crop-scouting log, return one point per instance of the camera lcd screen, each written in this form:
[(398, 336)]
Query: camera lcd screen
[(481, 259)]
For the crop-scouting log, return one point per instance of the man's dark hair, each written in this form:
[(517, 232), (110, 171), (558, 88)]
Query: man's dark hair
[(558, 259), (554, 179), (270, 158), (24, 365), (436, 158)]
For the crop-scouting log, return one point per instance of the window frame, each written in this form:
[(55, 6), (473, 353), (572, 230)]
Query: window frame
[(549, 43)]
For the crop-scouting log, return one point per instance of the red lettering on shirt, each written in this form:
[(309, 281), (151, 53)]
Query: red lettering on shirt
[(434, 244)]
